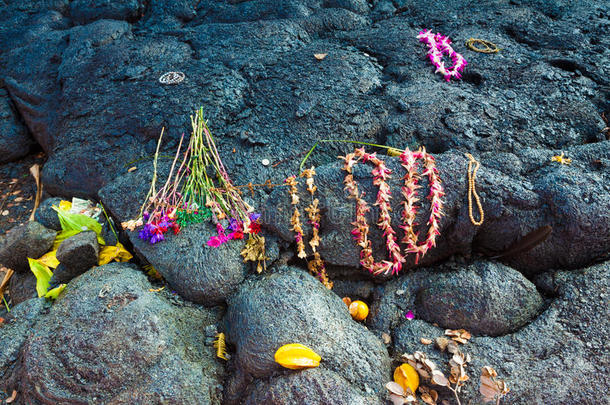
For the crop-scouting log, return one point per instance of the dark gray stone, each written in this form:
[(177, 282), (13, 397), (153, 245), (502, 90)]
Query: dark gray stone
[(77, 254), (86, 11), (14, 139), (22, 287), (13, 333), (486, 298), (196, 271), (572, 330), (28, 240), (107, 332), (313, 386), (46, 215), (290, 306)]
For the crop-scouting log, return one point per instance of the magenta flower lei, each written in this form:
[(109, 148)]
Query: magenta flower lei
[(438, 45)]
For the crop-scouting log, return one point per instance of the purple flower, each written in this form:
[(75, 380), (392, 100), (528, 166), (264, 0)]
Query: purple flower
[(235, 225), (254, 216), (409, 315)]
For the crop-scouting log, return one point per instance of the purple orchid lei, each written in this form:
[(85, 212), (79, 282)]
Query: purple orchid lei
[(438, 45)]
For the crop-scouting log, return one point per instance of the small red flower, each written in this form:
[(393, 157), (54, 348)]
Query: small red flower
[(255, 227)]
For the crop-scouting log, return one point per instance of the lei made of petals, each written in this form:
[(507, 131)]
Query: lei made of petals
[(361, 228), (439, 44), (409, 212), (316, 265), (409, 192)]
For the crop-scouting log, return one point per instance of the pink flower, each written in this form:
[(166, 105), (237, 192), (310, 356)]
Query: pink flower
[(409, 315), (214, 241)]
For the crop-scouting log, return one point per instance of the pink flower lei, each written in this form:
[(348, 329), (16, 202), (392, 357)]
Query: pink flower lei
[(438, 45), (409, 191), (361, 229), (381, 173)]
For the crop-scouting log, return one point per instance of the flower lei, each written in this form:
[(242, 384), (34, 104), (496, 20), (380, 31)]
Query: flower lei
[(316, 265), (409, 191), (361, 228), (438, 45)]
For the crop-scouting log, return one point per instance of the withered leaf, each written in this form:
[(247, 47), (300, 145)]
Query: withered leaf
[(320, 56), (425, 341)]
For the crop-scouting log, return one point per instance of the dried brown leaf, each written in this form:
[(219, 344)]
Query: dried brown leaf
[(320, 56), (13, 396), (131, 169), (438, 378), (441, 343), (387, 339), (395, 388), (425, 341)]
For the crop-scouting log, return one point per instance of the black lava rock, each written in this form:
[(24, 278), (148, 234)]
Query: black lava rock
[(28, 240)]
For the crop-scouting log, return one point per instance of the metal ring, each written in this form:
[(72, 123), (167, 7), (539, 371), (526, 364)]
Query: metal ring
[(172, 78)]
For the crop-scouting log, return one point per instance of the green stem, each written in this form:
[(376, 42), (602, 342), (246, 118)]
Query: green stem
[(6, 304), (339, 141)]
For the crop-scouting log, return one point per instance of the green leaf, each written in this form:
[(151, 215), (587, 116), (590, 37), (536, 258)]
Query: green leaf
[(43, 276), (79, 222), (52, 294)]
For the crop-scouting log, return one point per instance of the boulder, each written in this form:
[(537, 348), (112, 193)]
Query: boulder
[(485, 298), (27, 240), (291, 306), (198, 272), (46, 215), (560, 349), (14, 331), (22, 287), (15, 141), (77, 254), (109, 338)]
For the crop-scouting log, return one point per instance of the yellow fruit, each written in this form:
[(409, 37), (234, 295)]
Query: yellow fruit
[(358, 310), (407, 377), (296, 356)]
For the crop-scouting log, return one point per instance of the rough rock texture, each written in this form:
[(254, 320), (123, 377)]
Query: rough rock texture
[(83, 78), (193, 269), (79, 69), (14, 139), (574, 200), (562, 350), (485, 298), (290, 306), (196, 271), (77, 254), (313, 386), (22, 287), (13, 333), (46, 215), (108, 339), (27, 240)]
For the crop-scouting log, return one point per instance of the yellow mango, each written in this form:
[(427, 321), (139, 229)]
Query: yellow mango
[(296, 356), (406, 376)]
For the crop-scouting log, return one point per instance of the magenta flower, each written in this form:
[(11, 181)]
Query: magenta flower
[(409, 315)]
